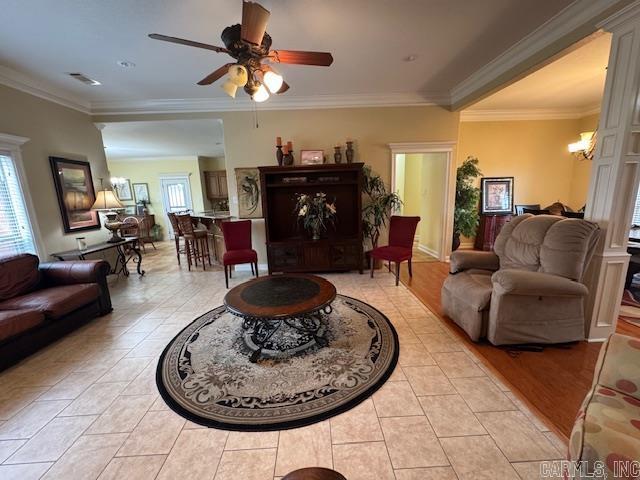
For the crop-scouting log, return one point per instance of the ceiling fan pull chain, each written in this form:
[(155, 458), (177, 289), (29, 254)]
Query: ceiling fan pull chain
[(255, 115)]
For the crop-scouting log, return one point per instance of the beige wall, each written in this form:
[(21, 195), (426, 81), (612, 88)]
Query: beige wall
[(53, 130), (372, 129), (148, 170), (535, 153), (401, 164), (413, 188), (433, 184)]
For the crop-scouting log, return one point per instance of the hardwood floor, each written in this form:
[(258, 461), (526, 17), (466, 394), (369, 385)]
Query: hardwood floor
[(553, 382)]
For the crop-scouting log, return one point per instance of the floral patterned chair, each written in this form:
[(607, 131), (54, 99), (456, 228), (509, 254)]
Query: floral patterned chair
[(607, 428)]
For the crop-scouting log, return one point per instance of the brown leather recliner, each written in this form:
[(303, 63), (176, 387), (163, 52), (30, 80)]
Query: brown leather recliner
[(40, 303)]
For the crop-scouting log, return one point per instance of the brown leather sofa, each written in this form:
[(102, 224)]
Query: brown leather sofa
[(40, 303)]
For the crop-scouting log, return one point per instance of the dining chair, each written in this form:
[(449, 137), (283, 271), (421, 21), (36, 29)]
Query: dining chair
[(237, 242), (196, 241), (402, 230)]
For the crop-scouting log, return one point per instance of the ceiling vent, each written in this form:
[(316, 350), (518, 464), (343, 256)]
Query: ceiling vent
[(84, 79)]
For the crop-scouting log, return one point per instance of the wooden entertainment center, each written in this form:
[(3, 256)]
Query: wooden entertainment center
[(289, 247)]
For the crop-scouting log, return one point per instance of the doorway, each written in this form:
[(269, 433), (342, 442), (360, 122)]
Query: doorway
[(424, 178), (175, 190)]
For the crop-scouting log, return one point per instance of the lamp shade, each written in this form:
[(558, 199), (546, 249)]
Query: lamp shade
[(106, 200), (273, 81), (261, 94), (238, 74), (230, 88)]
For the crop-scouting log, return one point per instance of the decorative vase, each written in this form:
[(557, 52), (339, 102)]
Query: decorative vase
[(337, 156), (455, 244), (349, 152), (315, 232), (279, 154), (287, 159)]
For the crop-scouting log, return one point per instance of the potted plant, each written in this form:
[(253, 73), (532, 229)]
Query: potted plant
[(465, 216), (315, 213), (378, 206)]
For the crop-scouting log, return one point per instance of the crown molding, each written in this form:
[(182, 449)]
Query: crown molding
[(39, 89), (195, 105), (24, 83), (629, 13), (574, 22), (13, 140), (510, 115), (422, 147)]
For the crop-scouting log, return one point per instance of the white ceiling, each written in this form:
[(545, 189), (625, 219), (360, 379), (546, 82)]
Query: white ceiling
[(574, 82), (44, 39), (166, 138)]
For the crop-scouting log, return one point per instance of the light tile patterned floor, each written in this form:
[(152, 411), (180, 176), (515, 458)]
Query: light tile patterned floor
[(87, 406)]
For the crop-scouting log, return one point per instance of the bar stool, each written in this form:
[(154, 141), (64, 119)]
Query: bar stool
[(195, 241), (177, 234)]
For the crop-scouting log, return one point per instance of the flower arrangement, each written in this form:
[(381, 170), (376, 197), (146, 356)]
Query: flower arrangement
[(315, 212)]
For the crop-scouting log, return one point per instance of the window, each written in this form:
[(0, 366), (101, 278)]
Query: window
[(636, 211), (15, 230)]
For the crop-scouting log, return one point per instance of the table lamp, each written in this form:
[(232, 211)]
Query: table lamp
[(105, 202)]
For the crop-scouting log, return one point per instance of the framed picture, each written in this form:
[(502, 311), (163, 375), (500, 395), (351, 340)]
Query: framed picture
[(311, 157), (76, 195), (249, 197), (141, 192), (123, 190), (496, 195)]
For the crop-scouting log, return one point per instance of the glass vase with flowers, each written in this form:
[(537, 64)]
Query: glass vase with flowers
[(315, 213)]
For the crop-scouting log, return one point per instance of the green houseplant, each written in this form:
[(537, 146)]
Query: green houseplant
[(378, 205), (465, 216)]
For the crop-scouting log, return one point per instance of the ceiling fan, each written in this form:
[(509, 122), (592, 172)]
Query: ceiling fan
[(250, 45)]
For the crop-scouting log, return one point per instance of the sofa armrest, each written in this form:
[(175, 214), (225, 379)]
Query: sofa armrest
[(524, 282), (467, 259), (619, 350), (80, 271)]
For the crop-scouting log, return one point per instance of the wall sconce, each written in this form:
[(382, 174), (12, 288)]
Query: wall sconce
[(585, 147)]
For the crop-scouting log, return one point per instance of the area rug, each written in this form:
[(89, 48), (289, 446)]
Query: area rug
[(205, 375)]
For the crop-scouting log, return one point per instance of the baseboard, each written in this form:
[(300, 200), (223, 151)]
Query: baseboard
[(596, 340), (246, 267), (429, 251)]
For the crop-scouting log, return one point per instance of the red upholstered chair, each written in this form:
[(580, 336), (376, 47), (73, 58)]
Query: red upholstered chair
[(400, 248), (237, 241)]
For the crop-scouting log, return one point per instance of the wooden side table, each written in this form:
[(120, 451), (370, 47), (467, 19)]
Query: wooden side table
[(314, 473)]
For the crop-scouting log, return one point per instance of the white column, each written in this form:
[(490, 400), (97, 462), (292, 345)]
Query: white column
[(615, 173)]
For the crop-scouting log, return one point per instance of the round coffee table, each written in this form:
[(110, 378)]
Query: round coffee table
[(266, 304)]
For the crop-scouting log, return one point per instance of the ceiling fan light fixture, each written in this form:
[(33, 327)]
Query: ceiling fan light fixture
[(238, 75), (261, 94), (273, 81), (230, 88)]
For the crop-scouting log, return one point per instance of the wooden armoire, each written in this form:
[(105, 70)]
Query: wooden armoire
[(289, 247)]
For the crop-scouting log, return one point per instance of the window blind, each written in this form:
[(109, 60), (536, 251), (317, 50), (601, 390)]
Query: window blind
[(636, 211), (15, 231)]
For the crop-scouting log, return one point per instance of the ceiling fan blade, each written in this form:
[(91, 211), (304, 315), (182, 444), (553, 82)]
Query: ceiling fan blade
[(299, 57), (215, 75), (254, 22), (188, 43), (283, 88)]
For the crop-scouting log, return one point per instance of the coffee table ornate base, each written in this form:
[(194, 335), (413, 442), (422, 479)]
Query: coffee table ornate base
[(259, 335), (282, 314)]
